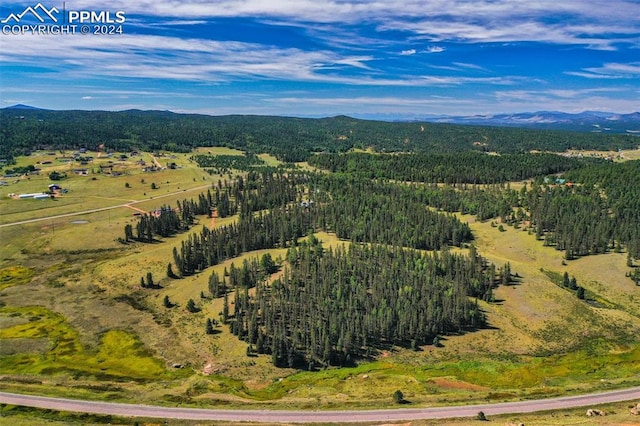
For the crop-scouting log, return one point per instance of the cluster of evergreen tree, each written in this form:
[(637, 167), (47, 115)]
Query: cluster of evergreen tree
[(367, 211), (279, 227), (485, 202), (357, 209), (620, 183), (573, 219), (333, 306), (266, 190), (463, 167), (256, 191), (164, 223), (598, 212)]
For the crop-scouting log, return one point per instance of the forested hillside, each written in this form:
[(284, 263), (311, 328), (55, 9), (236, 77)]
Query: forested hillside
[(289, 139)]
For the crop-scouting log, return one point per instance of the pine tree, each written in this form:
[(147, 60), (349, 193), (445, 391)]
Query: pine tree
[(573, 284), (225, 308), (209, 326), (268, 264), (150, 283), (128, 232), (170, 273), (191, 306)]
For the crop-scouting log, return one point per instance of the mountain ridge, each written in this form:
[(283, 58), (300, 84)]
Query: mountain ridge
[(586, 121)]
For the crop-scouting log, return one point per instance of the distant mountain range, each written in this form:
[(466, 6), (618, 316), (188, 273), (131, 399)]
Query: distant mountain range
[(588, 121), (23, 107)]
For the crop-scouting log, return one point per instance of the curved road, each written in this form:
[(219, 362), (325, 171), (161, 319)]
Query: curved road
[(400, 414)]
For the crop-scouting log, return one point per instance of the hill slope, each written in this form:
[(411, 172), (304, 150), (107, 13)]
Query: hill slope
[(289, 139)]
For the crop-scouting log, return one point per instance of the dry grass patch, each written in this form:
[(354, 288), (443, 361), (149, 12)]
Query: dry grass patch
[(631, 154), (270, 160), (217, 150)]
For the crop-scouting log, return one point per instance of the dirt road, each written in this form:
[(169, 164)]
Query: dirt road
[(400, 414)]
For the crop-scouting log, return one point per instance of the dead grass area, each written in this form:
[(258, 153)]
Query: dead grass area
[(631, 154), (536, 316), (450, 383)]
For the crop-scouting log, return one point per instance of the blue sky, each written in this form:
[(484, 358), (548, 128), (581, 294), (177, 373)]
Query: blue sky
[(392, 58)]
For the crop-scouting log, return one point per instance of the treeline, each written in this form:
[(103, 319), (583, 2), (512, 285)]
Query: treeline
[(288, 139), (463, 167), (333, 306)]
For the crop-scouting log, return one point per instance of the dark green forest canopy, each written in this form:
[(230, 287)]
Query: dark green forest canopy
[(330, 306), (289, 139), (464, 167)]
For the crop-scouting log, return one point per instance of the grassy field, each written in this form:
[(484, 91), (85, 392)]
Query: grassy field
[(99, 188), (632, 154), (74, 320)]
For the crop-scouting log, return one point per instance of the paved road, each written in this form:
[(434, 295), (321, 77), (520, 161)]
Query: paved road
[(40, 219), (400, 414)]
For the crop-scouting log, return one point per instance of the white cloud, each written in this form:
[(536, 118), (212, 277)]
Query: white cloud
[(609, 71), (408, 52), (595, 23), (85, 98), (435, 49), (208, 61), (469, 66), (148, 56)]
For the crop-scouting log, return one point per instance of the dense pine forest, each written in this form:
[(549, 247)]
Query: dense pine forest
[(289, 139), (359, 211), (464, 167), (332, 307)]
